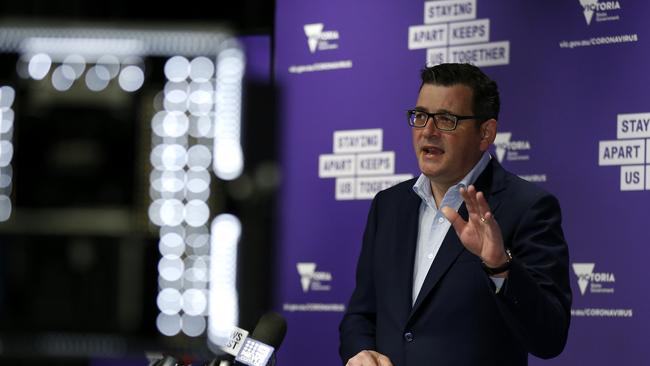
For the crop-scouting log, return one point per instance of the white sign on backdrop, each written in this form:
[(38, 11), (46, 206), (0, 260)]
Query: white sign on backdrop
[(359, 165), (451, 33), (630, 151)]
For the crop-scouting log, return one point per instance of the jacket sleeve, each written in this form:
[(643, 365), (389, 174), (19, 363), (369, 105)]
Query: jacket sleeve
[(536, 300), (357, 328)]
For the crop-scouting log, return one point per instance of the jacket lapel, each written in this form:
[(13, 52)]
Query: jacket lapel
[(405, 257), (491, 182)]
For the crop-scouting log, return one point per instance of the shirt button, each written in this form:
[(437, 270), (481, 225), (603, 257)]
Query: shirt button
[(441, 220), (430, 256), (408, 336)]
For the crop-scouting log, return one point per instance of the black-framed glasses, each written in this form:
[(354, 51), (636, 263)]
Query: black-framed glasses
[(443, 121)]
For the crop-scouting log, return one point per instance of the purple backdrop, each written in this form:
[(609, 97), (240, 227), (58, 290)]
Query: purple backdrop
[(574, 119)]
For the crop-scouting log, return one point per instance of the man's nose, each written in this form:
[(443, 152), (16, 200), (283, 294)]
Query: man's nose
[(430, 129)]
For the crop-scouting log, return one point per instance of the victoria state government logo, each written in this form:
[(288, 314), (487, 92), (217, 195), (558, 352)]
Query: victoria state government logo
[(602, 9), (595, 282), (312, 280), (510, 149), (319, 39)]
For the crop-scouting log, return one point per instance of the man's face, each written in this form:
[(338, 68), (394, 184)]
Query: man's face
[(445, 157)]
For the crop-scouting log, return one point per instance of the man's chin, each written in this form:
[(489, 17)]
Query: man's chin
[(432, 174), (429, 168)]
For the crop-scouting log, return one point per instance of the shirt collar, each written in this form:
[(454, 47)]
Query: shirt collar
[(422, 186)]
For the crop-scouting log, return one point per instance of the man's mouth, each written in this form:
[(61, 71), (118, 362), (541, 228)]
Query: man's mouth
[(431, 151)]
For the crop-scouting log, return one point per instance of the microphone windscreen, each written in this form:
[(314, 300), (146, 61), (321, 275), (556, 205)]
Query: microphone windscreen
[(270, 329)]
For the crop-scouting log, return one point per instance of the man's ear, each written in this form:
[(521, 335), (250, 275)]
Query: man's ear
[(488, 133)]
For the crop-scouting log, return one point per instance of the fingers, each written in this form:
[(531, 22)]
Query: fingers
[(483, 207), (476, 204), (369, 358), (481, 234), (469, 196), (383, 360)]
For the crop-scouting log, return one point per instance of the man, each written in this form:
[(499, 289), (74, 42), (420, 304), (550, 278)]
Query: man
[(488, 291)]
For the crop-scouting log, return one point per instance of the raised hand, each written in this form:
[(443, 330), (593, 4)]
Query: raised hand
[(481, 234)]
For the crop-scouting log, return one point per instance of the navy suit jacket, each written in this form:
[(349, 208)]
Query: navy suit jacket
[(457, 318)]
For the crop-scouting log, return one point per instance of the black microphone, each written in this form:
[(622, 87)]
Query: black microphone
[(270, 329)]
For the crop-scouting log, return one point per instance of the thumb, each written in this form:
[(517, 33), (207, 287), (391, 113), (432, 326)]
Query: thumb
[(456, 221)]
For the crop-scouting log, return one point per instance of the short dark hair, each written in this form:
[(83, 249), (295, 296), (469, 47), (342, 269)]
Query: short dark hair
[(485, 92)]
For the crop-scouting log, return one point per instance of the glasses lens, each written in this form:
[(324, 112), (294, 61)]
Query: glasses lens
[(445, 122), (417, 118)]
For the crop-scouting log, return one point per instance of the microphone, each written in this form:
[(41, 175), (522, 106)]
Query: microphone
[(167, 361), (270, 329), (259, 349)]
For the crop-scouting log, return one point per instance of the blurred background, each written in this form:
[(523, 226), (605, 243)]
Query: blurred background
[(94, 138)]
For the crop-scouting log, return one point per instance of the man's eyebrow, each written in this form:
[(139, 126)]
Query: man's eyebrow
[(423, 109)]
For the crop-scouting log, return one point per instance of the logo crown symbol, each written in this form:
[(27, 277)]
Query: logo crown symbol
[(588, 9), (313, 32), (306, 271), (583, 271)]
